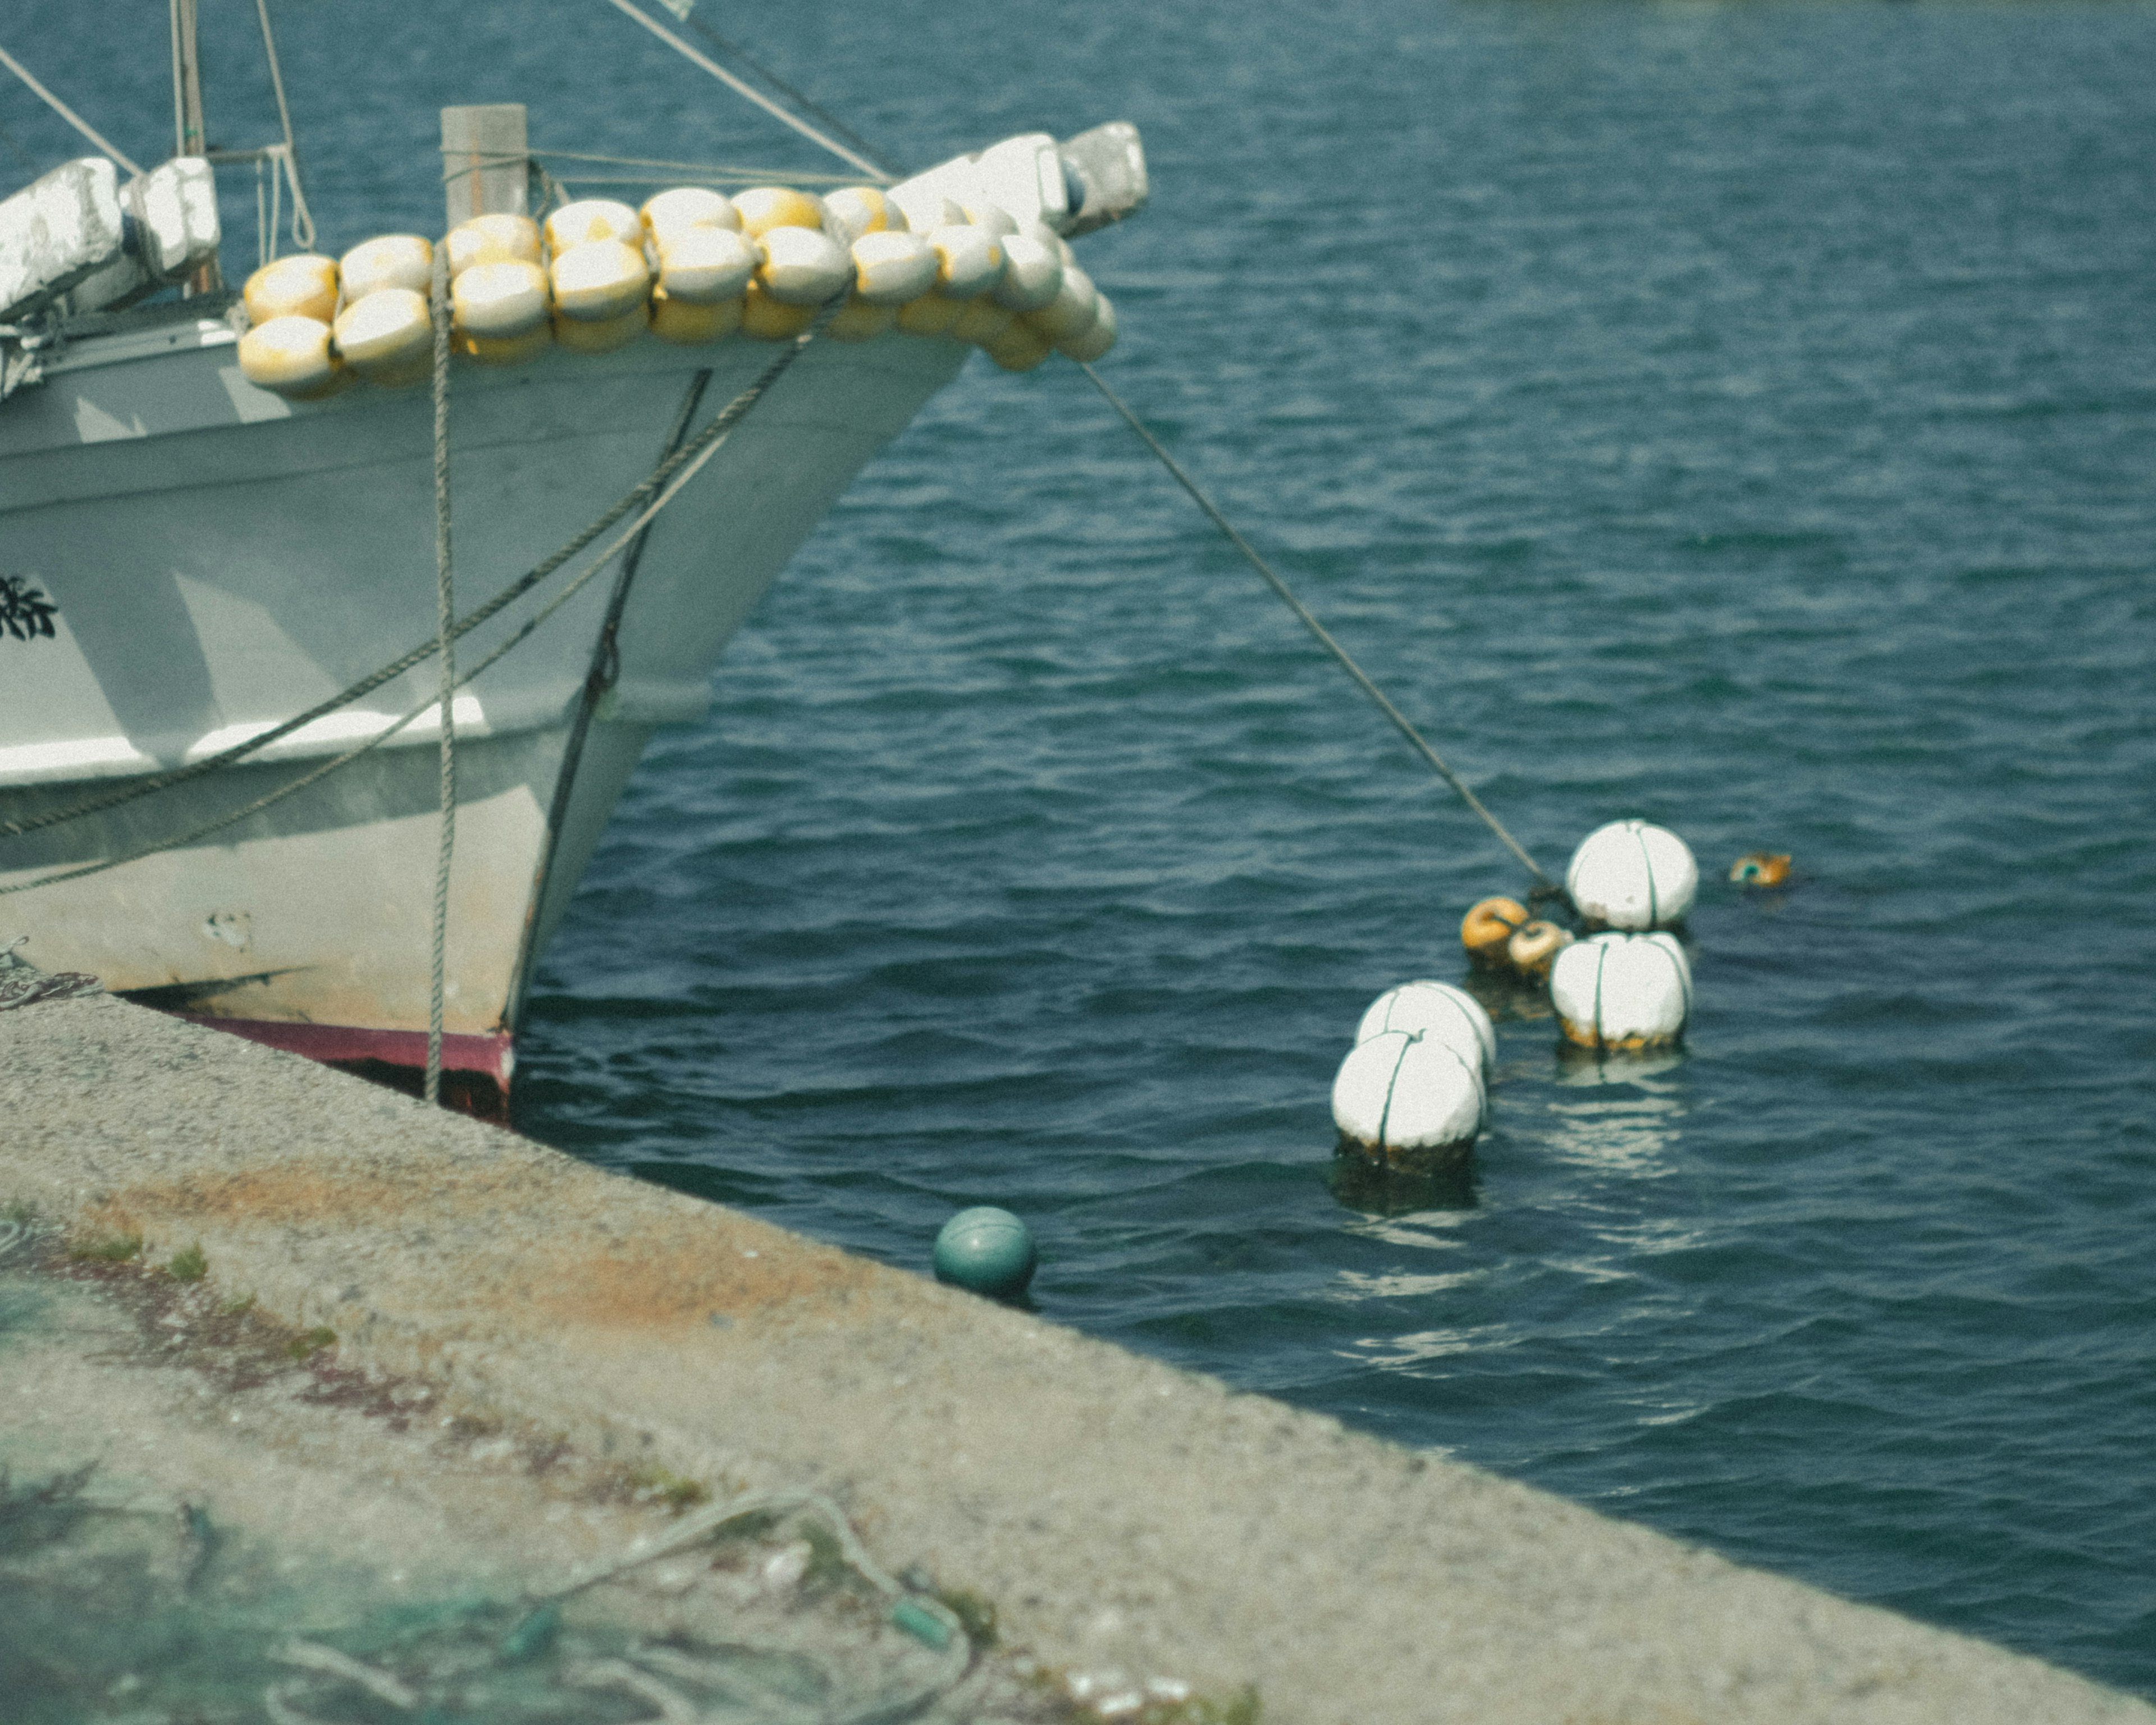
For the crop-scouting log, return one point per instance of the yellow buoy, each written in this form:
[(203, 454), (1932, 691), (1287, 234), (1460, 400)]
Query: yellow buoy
[(1097, 337), (1534, 945), (890, 268), (690, 323), (983, 320), (1761, 868), (992, 218), (764, 207), (395, 261), (1486, 930), (707, 265), (388, 337), (930, 314), (599, 280), (293, 357), (1032, 274), (670, 214), (499, 302), (586, 334), (860, 319), (856, 210), (497, 238), (803, 266), (504, 350), (590, 219), (770, 319), (301, 287), (1019, 348), (970, 261)]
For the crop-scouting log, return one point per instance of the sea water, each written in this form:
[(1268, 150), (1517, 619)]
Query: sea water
[(1741, 417)]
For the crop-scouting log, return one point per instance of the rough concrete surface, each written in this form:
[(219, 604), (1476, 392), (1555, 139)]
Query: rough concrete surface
[(1123, 1517)]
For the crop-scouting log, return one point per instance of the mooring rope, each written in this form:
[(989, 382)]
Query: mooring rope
[(445, 623), (1317, 629), (682, 467), (65, 112), (742, 88)]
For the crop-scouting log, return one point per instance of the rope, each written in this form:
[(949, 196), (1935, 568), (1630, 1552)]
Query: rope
[(716, 170), (1317, 629), (682, 467), (635, 496), (65, 112), (682, 9), (445, 623), (753, 95), (301, 214)]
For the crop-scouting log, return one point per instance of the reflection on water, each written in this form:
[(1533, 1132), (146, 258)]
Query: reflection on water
[(1617, 1134)]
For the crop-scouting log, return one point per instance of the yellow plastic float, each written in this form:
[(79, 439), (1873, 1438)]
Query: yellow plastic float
[(395, 261), (857, 211), (694, 266), (500, 238), (293, 356), (387, 337), (303, 286), (1488, 928), (764, 207)]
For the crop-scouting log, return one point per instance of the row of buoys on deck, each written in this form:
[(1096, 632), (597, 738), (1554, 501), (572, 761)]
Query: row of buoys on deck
[(1417, 1080), (692, 266)]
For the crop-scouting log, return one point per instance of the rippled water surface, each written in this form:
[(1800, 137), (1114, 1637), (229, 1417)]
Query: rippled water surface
[(1741, 417)]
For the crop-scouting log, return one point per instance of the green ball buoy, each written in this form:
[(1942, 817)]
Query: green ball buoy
[(986, 1250)]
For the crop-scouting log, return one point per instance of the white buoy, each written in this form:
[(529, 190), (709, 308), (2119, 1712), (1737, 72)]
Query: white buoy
[(1451, 1015), (1632, 874), (1403, 1089), (1622, 991)]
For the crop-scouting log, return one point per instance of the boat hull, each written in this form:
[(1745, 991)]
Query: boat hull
[(221, 560)]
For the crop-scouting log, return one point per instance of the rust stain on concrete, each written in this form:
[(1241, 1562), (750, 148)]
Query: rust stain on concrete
[(498, 1232)]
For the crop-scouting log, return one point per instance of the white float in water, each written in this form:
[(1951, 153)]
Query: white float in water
[(1403, 1089), (1632, 874), (1622, 991), (1450, 1015)]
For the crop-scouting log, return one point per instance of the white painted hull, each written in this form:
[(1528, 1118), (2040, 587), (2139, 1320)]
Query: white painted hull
[(222, 560)]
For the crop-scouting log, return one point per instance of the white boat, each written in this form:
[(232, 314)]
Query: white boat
[(188, 561)]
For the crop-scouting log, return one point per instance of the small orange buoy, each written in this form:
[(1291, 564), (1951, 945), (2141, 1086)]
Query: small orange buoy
[(1486, 929), (1760, 868), (1533, 948)]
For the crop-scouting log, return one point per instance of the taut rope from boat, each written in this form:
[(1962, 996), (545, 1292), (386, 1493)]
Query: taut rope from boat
[(742, 88), (1317, 630), (445, 610), (674, 473), (65, 112)]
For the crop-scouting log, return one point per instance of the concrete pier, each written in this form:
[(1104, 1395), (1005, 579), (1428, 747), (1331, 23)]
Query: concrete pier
[(452, 1303)]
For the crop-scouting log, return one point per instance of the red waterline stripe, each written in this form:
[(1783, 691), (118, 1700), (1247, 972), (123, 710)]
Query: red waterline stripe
[(492, 1056)]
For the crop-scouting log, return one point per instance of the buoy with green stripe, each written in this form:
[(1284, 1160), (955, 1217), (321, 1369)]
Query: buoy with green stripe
[(1622, 992), (1632, 874), (1407, 1094)]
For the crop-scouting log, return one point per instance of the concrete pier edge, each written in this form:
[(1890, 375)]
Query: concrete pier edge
[(1121, 1515)]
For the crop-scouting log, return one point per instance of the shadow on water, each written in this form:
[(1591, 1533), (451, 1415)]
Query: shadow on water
[(1392, 1189)]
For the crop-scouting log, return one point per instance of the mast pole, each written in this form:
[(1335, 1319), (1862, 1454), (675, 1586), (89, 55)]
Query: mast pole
[(187, 119)]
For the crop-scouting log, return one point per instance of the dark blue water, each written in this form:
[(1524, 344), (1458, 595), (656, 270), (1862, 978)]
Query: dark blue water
[(1741, 417)]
